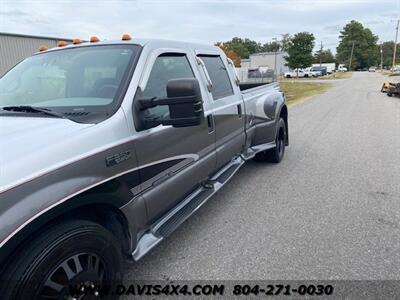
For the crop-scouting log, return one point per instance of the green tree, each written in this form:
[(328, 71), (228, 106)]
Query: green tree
[(323, 56), (243, 47), (271, 47), (231, 54), (387, 54), (366, 51), (300, 50), (285, 42), (252, 46)]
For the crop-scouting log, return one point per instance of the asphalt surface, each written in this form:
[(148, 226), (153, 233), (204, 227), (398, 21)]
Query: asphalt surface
[(330, 210)]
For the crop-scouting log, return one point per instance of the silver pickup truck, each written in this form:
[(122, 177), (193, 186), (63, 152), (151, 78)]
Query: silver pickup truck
[(107, 147)]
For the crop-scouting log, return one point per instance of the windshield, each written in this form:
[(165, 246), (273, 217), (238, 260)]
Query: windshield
[(77, 79)]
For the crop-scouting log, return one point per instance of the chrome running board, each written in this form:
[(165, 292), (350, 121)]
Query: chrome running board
[(180, 213)]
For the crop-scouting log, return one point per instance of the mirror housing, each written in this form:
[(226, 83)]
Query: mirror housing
[(184, 102)]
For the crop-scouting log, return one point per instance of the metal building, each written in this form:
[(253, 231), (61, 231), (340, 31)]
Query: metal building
[(271, 60), (16, 47), (264, 65)]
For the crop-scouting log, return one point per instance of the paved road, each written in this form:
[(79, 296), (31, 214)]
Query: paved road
[(330, 210)]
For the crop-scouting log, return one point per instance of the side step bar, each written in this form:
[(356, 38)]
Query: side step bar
[(252, 151), (175, 217)]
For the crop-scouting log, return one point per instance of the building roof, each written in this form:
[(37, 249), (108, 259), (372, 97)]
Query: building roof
[(268, 53), (34, 36)]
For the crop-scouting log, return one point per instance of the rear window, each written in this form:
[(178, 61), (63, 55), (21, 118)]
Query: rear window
[(221, 84)]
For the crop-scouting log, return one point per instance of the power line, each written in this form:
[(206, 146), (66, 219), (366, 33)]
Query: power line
[(320, 55)]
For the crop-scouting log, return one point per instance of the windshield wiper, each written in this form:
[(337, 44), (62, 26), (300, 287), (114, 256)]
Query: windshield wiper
[(34, 109)]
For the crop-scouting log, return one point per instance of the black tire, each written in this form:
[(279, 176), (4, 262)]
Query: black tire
[(390, 94), (288, 76), (72, 253), (277, 153)]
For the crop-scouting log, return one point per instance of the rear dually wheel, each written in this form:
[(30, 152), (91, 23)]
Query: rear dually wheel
[(277, 153)]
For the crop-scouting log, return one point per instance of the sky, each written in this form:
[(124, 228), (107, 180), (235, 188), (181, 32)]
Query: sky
[(203, 21)]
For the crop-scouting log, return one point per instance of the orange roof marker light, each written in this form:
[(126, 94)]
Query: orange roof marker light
[(76, 41), (94, 39), (62, 43), (126, 37), (43, 48)]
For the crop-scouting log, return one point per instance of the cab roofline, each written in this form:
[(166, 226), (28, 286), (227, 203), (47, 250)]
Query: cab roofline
[(135, 41)]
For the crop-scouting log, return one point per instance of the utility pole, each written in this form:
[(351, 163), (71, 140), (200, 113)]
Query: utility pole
[(351, 56), (320, 55), (381, 57), (275, 61), (395, 45)]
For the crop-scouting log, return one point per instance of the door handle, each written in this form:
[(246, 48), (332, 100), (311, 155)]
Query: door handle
[(210, 123), (239, 109)]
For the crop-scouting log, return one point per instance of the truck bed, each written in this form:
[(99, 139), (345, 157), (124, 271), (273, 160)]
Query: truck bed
[(251, 85), (249, 90)]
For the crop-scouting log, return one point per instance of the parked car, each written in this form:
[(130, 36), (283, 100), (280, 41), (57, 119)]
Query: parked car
[(116, 145), (322, 70), (298, 73), (396, 68), (341, 68), (330, 67), (372, 69), (313, 73)]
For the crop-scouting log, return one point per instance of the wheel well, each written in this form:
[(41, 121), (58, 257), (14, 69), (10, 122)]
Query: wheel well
[(106, 215), (109, 217), (284, 115)]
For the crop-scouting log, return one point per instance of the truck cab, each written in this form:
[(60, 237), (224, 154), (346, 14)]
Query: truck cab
[(116, 144)]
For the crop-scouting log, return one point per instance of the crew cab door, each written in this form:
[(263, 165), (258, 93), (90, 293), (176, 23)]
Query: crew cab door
[(227, 107), (172, 161)]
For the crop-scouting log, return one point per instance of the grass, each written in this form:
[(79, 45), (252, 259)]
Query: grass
[(393, 74), (298, 92), (336, 75)]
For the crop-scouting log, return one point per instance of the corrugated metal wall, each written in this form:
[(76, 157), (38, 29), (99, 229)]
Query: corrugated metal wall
[(13, 49), (268, 59)]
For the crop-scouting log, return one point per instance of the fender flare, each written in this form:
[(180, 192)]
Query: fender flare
[(106, 199), (283, 111)]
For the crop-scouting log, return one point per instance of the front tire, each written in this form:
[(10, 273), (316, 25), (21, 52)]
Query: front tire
[(277, 153), (72, 253)]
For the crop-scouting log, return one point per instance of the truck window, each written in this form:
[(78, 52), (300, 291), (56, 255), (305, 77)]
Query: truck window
[(87, 78), (94, 77), (166, 67), (221, 84)]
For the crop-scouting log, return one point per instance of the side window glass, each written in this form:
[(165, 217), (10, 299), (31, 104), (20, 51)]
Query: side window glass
[(221, 84), (166, 67)]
